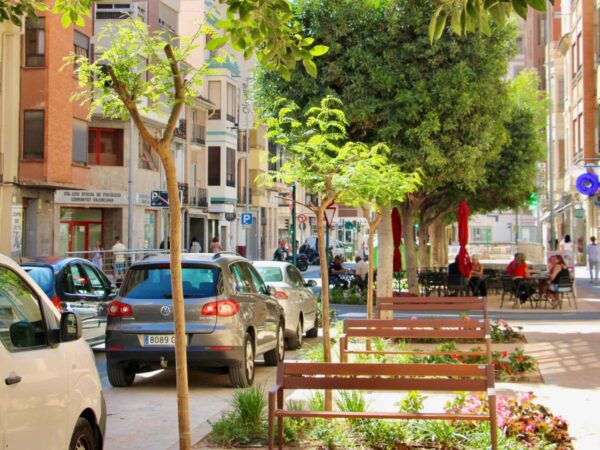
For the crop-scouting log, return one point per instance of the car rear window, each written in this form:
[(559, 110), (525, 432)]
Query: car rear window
[(155, 282), (44, 277), (270, 274)]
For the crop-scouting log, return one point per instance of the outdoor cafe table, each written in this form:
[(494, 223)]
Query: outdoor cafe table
[(540, 282)]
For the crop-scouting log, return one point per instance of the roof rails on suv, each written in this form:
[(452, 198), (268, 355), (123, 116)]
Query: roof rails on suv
[(219, 254)]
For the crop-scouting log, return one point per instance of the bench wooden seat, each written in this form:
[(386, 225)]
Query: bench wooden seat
[(381, 377), (407, 329)]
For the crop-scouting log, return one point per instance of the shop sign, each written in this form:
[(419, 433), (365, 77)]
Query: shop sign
[(97, 198), (17, 230)]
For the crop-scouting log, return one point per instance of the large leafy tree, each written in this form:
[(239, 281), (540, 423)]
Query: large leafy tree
[(440, 107)]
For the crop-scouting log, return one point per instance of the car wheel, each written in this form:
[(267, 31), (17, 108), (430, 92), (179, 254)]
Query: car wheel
[(119, 375), (241, 374), (302, 266), (275, 356), (295, 342), (83, 436), (313, 332)]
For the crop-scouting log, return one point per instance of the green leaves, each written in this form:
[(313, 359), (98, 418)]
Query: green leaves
[(216, 43)]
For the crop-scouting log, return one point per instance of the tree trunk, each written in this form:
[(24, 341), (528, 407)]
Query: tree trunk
[(424, 259), (181, 375), (385, 266), (320, 212), (439, 245), (407, 211), (372, 229)]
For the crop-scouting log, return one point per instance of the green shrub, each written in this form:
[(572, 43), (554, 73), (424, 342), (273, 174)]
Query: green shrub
[(412, 402), (381, 434), (250, 406), (351, 401), (317, 401)]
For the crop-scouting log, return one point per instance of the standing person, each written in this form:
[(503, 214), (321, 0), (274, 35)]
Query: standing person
[(477, 282), (118, 250), (97, 255), (195, 247), (567, 248), (593, 259), (215, 245)]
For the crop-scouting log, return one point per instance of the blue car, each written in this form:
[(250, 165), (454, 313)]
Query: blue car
[(75, 284)]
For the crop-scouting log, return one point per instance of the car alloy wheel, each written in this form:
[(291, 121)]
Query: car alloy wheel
[(249, 363)]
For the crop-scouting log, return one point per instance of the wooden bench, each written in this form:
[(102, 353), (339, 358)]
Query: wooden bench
[(424, 304), (381, 377), (407, 329)]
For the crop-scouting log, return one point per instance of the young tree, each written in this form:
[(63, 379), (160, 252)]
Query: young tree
[(143, 73), (374, 187), (319, 156)]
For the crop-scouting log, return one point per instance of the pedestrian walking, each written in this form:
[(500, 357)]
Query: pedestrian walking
[(215, 245), (118, 250), (593, 251), (195, 247), (97, 255)]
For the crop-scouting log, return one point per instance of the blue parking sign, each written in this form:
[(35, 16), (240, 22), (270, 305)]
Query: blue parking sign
[(246, 218)]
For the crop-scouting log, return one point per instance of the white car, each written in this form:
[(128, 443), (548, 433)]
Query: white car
[(337, 248), (51, 395), (294, 295)]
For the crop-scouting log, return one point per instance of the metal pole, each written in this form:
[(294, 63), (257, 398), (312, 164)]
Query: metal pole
[(130, 187), (293, 230), (549, 126), (327, 243), (247, 177)]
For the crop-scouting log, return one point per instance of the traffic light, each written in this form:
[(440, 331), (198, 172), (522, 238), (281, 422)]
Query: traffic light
[(286, 223)]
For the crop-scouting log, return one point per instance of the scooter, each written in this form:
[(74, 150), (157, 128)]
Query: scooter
[(281, 254)]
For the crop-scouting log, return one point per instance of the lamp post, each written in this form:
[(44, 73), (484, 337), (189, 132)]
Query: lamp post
[(549, 132), (246, 110)]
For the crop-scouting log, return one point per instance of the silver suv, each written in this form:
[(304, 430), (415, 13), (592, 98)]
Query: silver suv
[(230, 318)]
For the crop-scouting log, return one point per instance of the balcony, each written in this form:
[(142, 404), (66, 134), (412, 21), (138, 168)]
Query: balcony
[(198, 197), (180, 131), (216, 115), (183, 192), (198, 134)]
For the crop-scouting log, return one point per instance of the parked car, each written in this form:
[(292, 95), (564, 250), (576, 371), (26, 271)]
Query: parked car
[(295, 296), (50, 395), (230, 318), (75, 284)]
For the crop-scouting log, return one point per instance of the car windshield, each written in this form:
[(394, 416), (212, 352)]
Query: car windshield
[(155, 282), (270, 274), (44, 277)]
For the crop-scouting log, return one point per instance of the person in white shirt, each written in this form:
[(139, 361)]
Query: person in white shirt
[(593, 251), (361, 271), (195, 247), (118, 250)]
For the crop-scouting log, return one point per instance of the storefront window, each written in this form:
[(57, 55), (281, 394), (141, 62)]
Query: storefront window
[(150, 229), (80, 215)]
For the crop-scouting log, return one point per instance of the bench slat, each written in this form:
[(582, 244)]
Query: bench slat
[(411, 333), (430, 307), (414, 323), (406, 352), (341, 369), (379, 415), (387, 384), (430, 300)]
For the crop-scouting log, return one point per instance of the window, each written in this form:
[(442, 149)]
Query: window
[(21, 310), (33, 135), (579, 52), (75, 281), (481, 234), (80, 140), (230, 167), (35, 42), (150, 229), (81, 44), (105, 147), (214, 166), (294, 277), (242, 279), (97, 284), (231, 101), (146, 156), (270, 274), (152, 282), (214, 95), (258, 282), (580, 132)]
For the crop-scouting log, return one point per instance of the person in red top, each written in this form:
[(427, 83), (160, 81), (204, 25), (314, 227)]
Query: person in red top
[(521, 271), (510, 269)]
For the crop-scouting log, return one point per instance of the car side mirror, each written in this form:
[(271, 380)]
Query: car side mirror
[(271, 290), (70, 327), (310, 283)]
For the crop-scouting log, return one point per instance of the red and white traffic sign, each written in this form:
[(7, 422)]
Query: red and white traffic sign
[(301, 218), (330, 214)]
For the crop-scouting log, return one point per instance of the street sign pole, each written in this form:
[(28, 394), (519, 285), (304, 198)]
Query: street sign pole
[(293, 231)]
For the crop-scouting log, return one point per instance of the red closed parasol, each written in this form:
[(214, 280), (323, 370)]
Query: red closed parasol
[(397, 236), (464, 261)]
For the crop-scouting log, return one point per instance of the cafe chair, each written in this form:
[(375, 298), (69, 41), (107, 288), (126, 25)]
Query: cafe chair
[(508, 288), (457, 286), (565, 288)]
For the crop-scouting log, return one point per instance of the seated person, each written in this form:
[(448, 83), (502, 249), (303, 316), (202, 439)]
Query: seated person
[(510, 269), (477, 282), (453, 267), (336, 268), (521, 272), (361, 272), (559, 270)]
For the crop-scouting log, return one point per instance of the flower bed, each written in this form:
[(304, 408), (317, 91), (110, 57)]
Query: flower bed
[(522, 423)]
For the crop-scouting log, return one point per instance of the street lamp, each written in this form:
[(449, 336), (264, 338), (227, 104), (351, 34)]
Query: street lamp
[(246, 107)]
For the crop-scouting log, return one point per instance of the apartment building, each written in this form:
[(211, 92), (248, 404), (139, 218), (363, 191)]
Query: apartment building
[(11, 203)]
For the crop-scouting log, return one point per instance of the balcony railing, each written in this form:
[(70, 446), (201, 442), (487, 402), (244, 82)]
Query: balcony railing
[(180, 131), (216, 115), (198, 197), (184, 189), (198, 134)]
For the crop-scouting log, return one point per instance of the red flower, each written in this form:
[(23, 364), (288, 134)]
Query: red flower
[(504, 354)]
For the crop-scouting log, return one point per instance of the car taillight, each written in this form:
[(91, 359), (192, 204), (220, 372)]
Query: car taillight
[(119, 309), (281, 295), (56, 303), (221, 308)]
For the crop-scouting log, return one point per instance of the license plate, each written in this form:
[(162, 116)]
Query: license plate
[(159, 340)]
